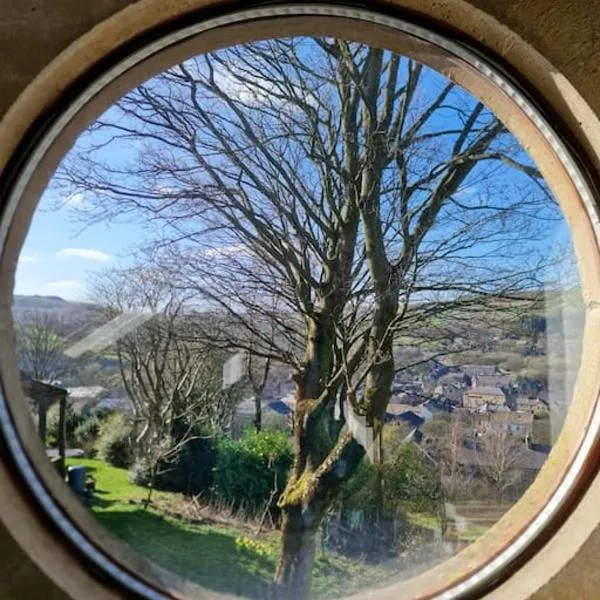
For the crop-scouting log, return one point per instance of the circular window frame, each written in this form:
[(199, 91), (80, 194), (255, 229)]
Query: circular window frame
[(573, 456)]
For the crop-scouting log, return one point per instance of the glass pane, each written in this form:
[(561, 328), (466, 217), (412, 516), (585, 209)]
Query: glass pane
[(315, 314)]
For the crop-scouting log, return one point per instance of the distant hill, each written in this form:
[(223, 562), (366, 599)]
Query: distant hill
[(73, 316), (38, 303), (22, 305)]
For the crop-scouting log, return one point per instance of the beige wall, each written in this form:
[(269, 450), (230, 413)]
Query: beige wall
[(564, 32)]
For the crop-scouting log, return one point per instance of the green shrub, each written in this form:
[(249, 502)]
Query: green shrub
[(139, 472), (411, 480), (189, 472), (101, 413), (405, 478), (114, 441), (247, 470), (368, 517), (86, 435), (192, 471), (52, 424), (361, 490), (270, 422)]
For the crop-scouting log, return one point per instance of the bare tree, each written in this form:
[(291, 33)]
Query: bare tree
[(445, 440), (40, 350), (174, 385), (216, 331), (501, 460), (40, 346), (450, 463), (370, 197)]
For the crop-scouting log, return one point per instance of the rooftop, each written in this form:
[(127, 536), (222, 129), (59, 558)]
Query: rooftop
[(485, 391)]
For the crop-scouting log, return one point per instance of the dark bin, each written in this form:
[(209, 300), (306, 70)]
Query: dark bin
[(76, 477)]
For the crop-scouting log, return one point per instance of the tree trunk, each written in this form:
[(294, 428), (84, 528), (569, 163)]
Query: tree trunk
[(258, 412), (62, 434), (294, 571), (303, 504), (42, 419)]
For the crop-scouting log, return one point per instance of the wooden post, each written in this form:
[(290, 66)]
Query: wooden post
[(62, 433), (42, 402)]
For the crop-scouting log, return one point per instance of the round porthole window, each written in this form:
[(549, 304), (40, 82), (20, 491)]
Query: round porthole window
[(301, 305)]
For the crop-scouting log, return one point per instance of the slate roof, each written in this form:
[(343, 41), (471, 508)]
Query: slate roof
[(485, 391), (408, 417)]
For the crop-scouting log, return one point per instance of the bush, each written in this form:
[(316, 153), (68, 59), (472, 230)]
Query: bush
[(139, 472), (114, 441), (101, 413), (246, 470), (190, 472), (52, 425), (86, 435), (411, 480), (361, 492), (368, 518), (270, 422)]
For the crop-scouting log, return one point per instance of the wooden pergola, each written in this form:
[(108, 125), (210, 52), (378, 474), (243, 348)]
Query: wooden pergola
[(45, 395)]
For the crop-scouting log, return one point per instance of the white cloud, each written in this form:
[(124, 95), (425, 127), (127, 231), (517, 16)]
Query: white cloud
[(165, 189), (75, 199), (224, 251), (28, 258), (86, 253), (64, 284), (262, 92)]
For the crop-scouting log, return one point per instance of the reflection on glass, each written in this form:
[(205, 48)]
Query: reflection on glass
[(317, 315)]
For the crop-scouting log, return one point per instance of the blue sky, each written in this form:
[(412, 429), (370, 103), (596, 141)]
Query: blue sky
[(60, 253)]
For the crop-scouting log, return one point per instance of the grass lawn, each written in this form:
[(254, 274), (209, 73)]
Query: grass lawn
[(217, 557)]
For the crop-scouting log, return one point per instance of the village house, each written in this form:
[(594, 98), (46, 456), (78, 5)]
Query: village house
[(411, 418), (534, 406), (412, 387), (519, 424), (435, 407), (279, 406), (457, 378), (490, 397), (404, 412), (407, 392), (451, 392), (406, 398)]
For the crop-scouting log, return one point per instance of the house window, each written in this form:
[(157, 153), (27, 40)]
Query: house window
[(312, 297)]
